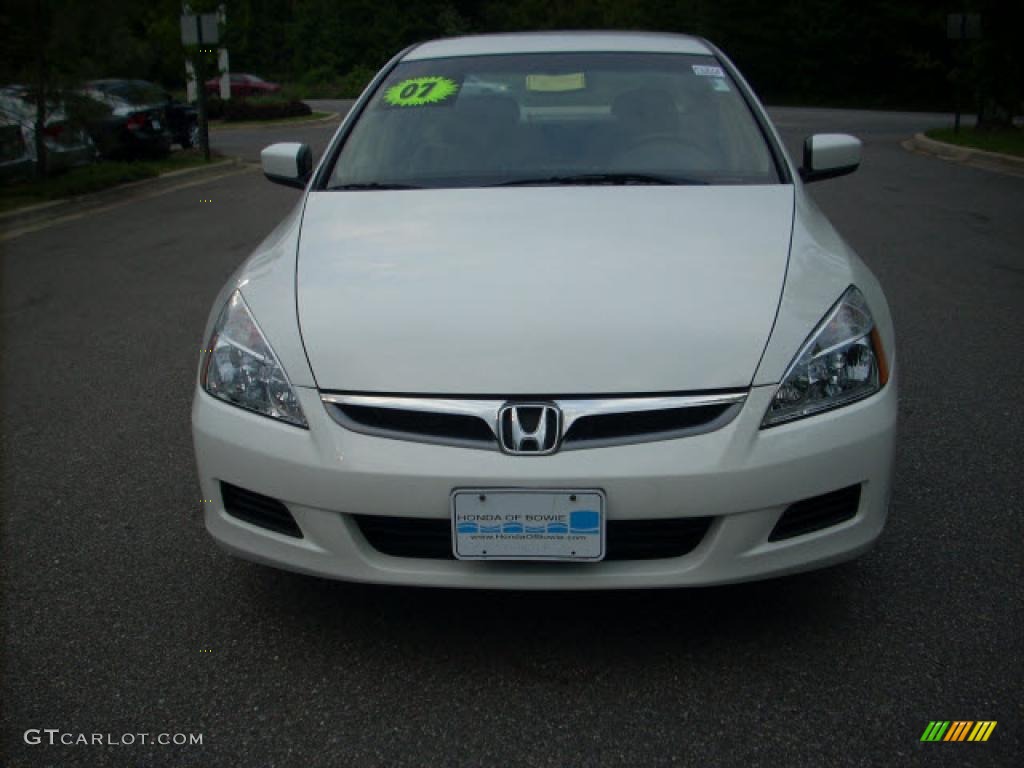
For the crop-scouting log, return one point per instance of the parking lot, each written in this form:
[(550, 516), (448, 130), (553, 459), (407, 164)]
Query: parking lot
[(121, 616)]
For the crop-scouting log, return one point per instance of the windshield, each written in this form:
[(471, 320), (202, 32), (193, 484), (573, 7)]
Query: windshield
[(583, 118)]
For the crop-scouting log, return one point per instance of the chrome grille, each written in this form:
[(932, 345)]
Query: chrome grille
[(410, 424), (586, 422)]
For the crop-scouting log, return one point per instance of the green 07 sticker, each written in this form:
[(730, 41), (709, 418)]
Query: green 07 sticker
[(417, 91)]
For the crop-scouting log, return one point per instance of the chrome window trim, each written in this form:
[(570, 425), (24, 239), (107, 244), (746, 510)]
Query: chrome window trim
[(573, 409)]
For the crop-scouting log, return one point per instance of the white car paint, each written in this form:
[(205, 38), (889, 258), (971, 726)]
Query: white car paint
[(565, 42), (689, 309), (830, 151), (284, 160), (774, 268)]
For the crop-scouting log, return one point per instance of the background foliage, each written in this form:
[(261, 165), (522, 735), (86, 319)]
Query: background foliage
[(872, 53)]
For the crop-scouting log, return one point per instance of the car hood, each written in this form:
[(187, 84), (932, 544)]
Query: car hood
[(541, 290)]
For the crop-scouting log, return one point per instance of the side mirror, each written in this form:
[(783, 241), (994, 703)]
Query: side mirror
[(827, 155), (288, 163)]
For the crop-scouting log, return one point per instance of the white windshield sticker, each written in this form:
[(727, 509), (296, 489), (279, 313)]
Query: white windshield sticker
[(576, 81), (706, 71)]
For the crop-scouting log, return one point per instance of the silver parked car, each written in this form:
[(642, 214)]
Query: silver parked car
[(15, 160), (67, 144)]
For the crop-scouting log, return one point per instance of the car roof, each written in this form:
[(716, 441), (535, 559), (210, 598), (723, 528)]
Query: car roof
[(559, 42)]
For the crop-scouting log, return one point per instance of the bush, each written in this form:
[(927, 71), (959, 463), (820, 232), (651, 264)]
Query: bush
[(321, 83), (317, 75), (353, 83), (264, 108)]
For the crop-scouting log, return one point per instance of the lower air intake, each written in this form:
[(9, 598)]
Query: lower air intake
[(817, 513), (257, 509), (625, 539)]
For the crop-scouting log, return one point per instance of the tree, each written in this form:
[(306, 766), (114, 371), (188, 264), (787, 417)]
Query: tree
[(51, 46), (997, 63)]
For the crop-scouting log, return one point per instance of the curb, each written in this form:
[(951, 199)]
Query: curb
[(31, 214), (977, 158), (270, 124)]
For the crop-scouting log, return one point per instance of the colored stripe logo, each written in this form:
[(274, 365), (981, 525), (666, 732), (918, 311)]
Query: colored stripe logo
[(958, 730)]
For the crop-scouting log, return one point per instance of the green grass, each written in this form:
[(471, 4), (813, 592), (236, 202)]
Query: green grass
[(277, 121), (1008, 141), (93, 178)]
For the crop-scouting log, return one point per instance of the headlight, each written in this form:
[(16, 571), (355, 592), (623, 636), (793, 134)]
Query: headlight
[(241, 368), (842, 361)]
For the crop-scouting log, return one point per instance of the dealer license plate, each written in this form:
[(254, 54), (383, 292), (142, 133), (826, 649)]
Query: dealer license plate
[(501, 524)]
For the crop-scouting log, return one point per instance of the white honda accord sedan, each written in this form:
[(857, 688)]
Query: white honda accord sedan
[(554, 311)]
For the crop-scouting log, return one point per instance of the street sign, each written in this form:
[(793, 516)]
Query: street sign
[(963, 26), (202, 29)]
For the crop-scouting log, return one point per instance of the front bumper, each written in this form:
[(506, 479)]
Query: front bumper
[(741, 475)]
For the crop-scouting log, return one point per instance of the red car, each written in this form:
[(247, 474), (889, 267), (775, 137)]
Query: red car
[(243, 85)]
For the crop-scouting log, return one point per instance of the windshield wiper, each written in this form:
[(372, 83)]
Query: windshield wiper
[(373, 185), (600, 178)]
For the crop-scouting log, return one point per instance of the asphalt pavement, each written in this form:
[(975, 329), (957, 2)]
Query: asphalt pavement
[(120, 616), (246, 143)]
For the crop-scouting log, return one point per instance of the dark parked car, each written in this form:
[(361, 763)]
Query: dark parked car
[(243, 85), (182, 119), (134, 118)]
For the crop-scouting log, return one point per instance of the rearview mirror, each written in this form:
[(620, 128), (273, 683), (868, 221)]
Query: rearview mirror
[(288, 163), (827, 155)]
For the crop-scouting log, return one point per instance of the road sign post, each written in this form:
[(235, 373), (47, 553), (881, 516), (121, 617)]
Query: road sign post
[(200, 64), (203, 32), (961, 27), (224, 67)]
